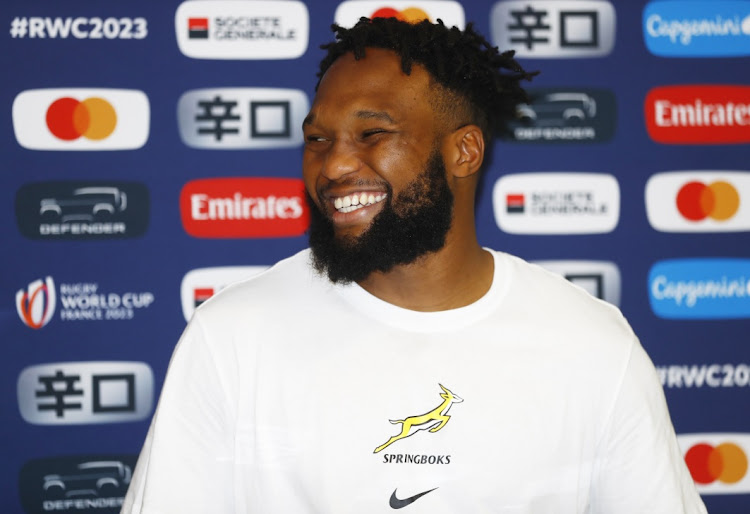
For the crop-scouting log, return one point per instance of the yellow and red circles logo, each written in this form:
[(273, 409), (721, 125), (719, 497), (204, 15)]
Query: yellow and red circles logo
[(601, 279), (678, 376), (699, 201), (244, 208), (554, 28), (452, 13), (81, 119), (410, 14), (556, 203), (228, 29), (718, 462), (698, 114), (239, 118), (36, 304), (200, 284)]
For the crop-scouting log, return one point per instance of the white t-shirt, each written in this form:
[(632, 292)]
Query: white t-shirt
[(287, 394)]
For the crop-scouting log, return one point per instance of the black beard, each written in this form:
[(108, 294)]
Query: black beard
[(412, 225)]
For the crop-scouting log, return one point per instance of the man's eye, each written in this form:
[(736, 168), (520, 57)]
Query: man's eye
[(372, 132), (314, 139)]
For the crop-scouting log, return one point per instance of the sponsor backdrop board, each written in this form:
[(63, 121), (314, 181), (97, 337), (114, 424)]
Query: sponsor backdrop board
[(151, 156)]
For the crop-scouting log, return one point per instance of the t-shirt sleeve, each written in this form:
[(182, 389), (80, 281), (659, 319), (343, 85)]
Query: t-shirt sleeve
[(640, 466), (186, 464)]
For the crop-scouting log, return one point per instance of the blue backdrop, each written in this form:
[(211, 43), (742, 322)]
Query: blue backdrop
[(119, 117)]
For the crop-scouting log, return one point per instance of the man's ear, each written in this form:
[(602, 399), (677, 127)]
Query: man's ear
[(465, 151)]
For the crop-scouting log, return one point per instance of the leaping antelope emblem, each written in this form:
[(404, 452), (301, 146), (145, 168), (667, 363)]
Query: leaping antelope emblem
[(432, 421)]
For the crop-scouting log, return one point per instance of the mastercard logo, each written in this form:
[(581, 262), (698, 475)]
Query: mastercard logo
[(93, 118), (699, 201), (348, 13), (725, 462), (81, 119), (410, 14), (718, 200)]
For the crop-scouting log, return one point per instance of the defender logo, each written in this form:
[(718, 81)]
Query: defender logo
[(82, 210), (91, 483), (565, 116), (432, 421)]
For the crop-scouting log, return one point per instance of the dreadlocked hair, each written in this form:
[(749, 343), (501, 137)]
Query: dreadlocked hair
[(478, 79)]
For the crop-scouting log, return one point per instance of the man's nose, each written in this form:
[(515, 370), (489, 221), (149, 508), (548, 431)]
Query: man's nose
[(341, 160)]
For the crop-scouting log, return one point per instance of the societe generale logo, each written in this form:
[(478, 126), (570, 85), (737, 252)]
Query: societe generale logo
[(698, 114), (698, 201), (718, 462), (200, 284), (228, 29), (81, 119), (556, 203), (452, 13), (244, 207), (36, 304)]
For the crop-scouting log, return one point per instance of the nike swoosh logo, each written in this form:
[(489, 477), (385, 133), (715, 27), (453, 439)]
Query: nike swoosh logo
[(395, 503)]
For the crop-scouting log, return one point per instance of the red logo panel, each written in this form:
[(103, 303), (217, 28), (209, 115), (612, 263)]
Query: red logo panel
[(244, 208), (698, 114)]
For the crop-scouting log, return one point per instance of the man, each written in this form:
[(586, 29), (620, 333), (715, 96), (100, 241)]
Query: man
[(398, 364)]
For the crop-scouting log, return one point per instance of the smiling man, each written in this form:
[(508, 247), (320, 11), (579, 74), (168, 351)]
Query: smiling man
[(397, 363)]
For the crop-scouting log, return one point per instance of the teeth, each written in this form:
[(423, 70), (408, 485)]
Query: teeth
[(356, 201)]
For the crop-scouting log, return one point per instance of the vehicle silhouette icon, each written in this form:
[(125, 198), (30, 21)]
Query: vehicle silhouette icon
[(90, 479), (84, 204), (557, 109)]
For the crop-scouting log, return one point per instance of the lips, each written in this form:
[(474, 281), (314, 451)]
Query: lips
[(355, 201)]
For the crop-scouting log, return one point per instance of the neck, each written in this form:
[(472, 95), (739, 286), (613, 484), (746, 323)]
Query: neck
[(457, 275)]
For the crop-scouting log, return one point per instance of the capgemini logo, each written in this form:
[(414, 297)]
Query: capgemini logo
[(36, 304)]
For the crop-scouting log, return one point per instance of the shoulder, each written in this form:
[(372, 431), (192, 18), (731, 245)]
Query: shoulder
[(289, 281), (542, 297)]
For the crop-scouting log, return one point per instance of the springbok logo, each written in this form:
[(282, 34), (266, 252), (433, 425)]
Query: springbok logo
[(36, 304), (432, 421)]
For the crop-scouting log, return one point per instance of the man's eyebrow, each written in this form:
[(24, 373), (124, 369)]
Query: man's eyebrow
[(376, 115), (363, 115)]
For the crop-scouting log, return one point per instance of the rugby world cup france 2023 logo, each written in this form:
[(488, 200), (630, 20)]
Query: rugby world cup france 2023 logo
[(36, 304)]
